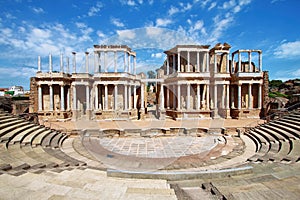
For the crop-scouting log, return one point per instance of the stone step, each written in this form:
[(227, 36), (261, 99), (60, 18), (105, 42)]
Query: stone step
[(9, 128), (28, 139), (279, 131), (64, 157), (296, 128), (18, 138), (10, 123), (283, 127), (9, 135), (67, 147), (37, 140), (46, 140)]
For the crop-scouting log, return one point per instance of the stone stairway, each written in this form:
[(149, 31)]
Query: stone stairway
[(81, 184), (25, 147), (278, 140)]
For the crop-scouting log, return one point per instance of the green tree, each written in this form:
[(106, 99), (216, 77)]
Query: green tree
[(151, 74)]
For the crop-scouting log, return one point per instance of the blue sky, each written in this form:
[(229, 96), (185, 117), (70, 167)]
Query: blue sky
[(30, 28)]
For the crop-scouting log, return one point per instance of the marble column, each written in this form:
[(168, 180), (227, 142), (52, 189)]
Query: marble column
[(174, 97), (239, 97), (134, 97), (198, 97), (250, 96), (168, 97), (125, 97), (259, 96), (74, 98), (162, 100), (68, 65), (223, 97), (207, 62), (178, 63), (129, 98), (178, 97), (87, 96), (96, 97), (40, 96), (105, 97), (168, 65), (62, 98), (87, 62), (51, 97), (129, 63), (50, 63), (116, 97), (68, 98), (188, 100), (260, 61), (250, 65), (215, 96), (207, 97), (39, 63), (227, 96), (74, 62)]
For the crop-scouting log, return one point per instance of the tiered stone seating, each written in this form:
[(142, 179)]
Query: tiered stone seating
[(27, 146), (81, 184), (268, 181), (277, 140)]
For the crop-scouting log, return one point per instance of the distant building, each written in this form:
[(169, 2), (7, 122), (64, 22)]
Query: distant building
[(194, 82)]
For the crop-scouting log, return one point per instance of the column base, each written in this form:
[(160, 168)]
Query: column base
[(162, 114), (88, 114), (141, 114), (74, 115)]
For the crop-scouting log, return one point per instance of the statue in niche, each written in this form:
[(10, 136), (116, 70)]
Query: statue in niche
[(151, 88)]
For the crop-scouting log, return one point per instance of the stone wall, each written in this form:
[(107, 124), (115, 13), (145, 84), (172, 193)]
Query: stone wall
[(33, 98), (265, 94)]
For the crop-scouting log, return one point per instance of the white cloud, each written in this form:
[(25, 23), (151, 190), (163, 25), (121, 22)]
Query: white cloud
[(37, 10), (101, 34), (157, 55), (203, 2), (287, 75), (95, 9), (163, 22), (212, 5), (20, 72), (288, 50), (173, 10), (153, 31), (126, 34), (116, 22), (128, 2), (186, 7), (228, 4)]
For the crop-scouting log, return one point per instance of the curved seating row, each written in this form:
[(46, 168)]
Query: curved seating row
[(277, 140), (27, 146)]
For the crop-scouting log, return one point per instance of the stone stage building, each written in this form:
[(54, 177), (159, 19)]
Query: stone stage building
[(194, 82)]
